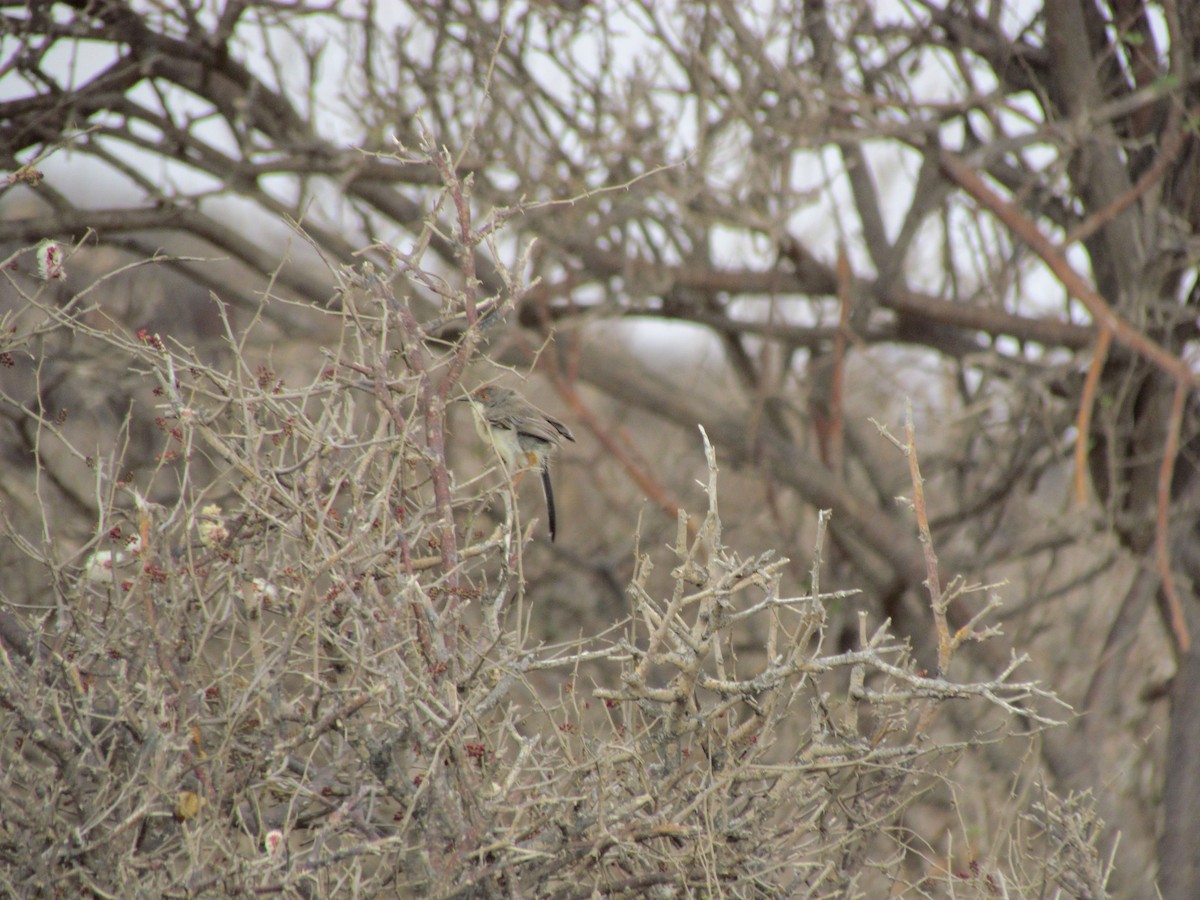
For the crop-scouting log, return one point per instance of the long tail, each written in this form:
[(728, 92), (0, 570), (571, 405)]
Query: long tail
[(549, 491)]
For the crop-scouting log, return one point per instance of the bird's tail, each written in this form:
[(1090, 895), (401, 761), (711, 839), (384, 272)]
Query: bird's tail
[(549, 491)]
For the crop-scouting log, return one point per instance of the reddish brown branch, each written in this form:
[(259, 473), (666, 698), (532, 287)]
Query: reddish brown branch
[(1083, 421), (1029, 233), (932, 579), (1113, 325)]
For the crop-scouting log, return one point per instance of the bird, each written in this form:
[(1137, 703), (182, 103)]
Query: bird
[(523, 435)]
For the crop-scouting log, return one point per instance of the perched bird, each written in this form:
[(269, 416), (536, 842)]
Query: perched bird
[(522, 434)]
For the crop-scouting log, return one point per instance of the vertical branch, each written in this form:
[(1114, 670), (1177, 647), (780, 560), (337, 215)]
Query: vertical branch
[(1083, 421), (932, 579), (1162, 524), (845, 279), (938, 603), (433, 410)]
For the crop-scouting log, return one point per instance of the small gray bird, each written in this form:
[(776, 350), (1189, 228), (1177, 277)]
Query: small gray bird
[(522, 434)]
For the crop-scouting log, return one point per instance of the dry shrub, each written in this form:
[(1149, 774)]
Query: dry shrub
[(295, 656)]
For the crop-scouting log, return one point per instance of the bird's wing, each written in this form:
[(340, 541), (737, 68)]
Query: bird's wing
[(543, 428)]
